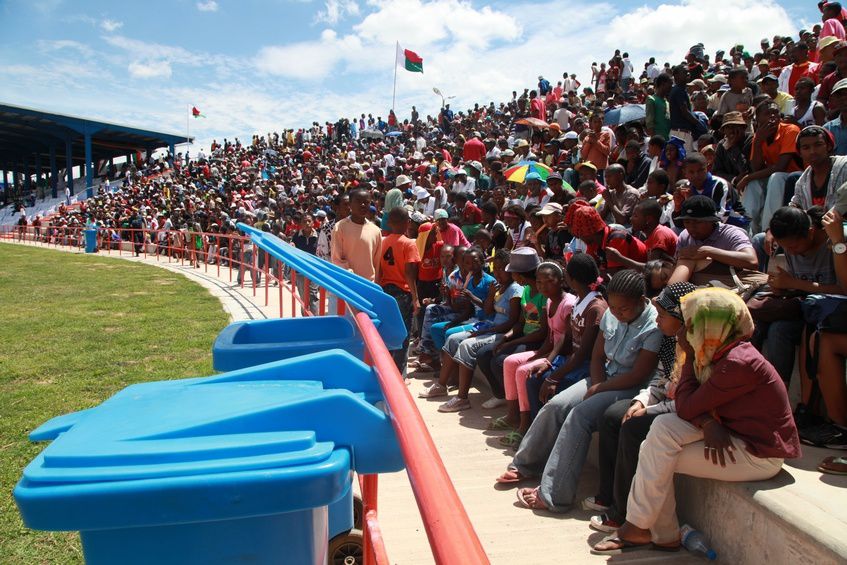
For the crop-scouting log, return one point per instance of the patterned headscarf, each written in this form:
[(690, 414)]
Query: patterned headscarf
[(583, 220), (680, 152), (716, 319)]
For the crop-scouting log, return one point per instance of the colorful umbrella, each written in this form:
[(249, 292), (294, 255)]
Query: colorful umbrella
[(517, 173), (533, 123)]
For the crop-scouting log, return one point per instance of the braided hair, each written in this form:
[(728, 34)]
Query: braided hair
[(583, 269), (629, 283)]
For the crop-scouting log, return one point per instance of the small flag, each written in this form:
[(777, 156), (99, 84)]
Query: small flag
[(196, 113), (409, 60)]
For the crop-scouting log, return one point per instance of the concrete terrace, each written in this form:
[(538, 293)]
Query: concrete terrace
[(798, 517)]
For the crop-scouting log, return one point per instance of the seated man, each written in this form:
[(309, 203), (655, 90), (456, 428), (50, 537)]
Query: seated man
[(709, 250), (773, 158), (619, 199)]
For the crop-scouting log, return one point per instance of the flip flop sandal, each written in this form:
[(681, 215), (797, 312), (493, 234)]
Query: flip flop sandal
[(624, 546), (834, 465), (537, 505), (501, 423), (511, 439), (511, 476)]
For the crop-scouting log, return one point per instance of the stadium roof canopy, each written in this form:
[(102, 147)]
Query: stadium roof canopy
[(32, 141)]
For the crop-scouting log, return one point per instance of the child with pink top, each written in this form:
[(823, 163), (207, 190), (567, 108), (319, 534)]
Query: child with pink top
[(519, 366)]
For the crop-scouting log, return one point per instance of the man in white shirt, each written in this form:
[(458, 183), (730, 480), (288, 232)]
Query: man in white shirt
[(653, 69), (562, 116), (570, 84), (463, 183), (626, 72)]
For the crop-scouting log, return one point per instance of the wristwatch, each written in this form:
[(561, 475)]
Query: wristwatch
[(839, 248)]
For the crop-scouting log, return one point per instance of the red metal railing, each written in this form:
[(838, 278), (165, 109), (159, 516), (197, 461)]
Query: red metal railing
[(450, 533)]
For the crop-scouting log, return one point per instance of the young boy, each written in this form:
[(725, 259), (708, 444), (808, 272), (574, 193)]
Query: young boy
[(398, 275)]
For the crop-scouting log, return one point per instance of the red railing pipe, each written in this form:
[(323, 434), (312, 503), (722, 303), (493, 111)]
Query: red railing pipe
[(452, 538)]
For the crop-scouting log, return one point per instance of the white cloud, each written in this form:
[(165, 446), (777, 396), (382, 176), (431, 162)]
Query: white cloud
[(207, 6), (150, 69), (111, 26), (335, 10)]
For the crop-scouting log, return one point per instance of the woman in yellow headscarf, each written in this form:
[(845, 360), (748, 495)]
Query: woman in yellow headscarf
[(733, 421)]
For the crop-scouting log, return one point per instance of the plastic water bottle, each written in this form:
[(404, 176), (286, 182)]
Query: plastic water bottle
[(696, 542)]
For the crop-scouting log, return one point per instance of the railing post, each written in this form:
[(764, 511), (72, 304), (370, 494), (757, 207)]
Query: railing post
[(293, 289)]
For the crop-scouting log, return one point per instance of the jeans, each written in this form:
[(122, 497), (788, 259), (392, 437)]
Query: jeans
[(534, 384), (439, 332), (556, 445), (434, 313), (404, 303), (312, 299), (618, 453), (491, 366), (255, 274), (780, 343), (762, 198)]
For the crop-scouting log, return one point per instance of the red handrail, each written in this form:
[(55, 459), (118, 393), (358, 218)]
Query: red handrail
[(451, 536)]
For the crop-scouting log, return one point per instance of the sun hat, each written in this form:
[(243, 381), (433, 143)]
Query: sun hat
[(401, 180), (733, 119), (523, 260), (550, 208)]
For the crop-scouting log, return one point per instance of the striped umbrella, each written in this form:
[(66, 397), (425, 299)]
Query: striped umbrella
[(517, 173)]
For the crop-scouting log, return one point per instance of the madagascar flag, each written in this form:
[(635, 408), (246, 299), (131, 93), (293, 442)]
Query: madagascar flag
[(196, 113), (409, 60)]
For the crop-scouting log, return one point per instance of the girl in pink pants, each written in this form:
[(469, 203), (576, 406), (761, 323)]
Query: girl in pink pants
[(518, 367)]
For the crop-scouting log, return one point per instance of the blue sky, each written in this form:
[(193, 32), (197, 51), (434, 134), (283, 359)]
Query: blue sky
[(254, 67)]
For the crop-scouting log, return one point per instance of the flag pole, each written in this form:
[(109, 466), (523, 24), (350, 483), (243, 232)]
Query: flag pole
[(394, 95), (188, 127)]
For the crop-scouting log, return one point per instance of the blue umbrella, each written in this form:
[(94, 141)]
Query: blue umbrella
[(394, 134), (625, 114)]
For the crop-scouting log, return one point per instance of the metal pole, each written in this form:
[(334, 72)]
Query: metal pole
[(394, 95)]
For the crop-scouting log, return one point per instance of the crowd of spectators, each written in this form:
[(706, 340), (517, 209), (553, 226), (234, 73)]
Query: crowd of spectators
[(639, 255)]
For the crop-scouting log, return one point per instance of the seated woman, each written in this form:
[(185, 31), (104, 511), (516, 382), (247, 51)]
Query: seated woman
[(518, 366), (733, 421), (461, 348), (624, 358), (625, 423), (530, 332), (583, 278)]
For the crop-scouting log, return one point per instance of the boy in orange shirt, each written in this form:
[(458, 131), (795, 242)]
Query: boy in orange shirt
[(398, 274)]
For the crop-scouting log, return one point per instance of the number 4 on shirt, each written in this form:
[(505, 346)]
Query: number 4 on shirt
[(388, 256)]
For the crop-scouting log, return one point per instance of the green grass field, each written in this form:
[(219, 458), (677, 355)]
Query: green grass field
[(74, 330)]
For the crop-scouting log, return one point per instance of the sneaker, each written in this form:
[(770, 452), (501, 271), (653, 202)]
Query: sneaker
[(602, 523), (804, 418), (826, 435), (592, 503), (433, 391), (493, 402), (455, 404)]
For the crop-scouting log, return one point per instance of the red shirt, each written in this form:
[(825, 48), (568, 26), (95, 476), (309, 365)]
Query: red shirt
[(662, 238), (628, 245), (807, 69), (473, 150), (430, 268), (471, 214)]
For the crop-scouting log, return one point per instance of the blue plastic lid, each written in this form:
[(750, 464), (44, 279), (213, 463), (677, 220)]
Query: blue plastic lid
[(279, 426)]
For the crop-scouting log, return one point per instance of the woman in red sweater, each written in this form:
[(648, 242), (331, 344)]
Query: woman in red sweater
[(733, 421)]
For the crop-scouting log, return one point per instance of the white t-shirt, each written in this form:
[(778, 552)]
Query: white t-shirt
[(467, 186), (563, 118)]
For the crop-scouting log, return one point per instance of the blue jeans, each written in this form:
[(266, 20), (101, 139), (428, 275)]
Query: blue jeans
[(434, 313), (440, 332), (556, 445), (534, 383)]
